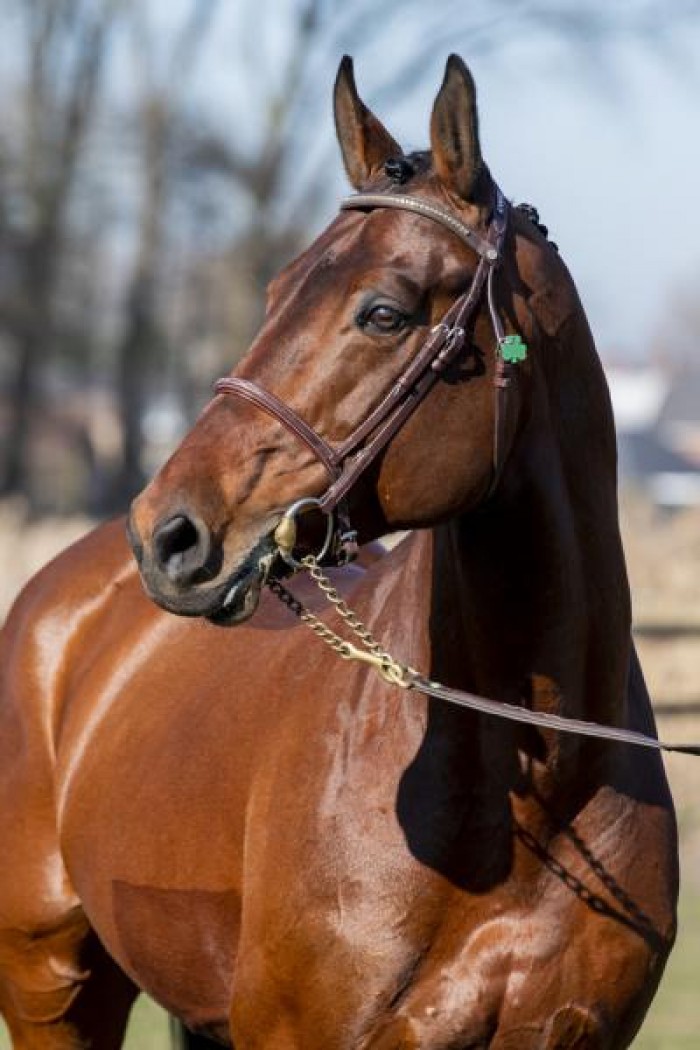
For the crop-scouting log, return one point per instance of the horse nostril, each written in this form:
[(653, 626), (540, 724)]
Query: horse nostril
[(181, 549)]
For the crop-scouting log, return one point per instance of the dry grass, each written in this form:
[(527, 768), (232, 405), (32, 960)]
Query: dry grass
[(664, 566), (25, 546)]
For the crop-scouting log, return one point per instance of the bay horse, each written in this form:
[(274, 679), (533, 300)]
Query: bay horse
[(279, 845)]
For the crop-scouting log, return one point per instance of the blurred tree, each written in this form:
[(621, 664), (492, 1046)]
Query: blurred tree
[(674, 344), (163, 64), (199, 203), (63, 44), (280, 169)]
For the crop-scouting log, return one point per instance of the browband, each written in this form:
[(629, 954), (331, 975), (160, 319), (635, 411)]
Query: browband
[(429, 211)]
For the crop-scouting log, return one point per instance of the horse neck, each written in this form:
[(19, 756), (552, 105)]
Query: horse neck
[(530, 593)]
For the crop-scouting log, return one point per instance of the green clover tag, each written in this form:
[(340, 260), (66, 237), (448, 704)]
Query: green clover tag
[(513, 349)]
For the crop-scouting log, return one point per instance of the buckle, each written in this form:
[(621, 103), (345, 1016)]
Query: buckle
[(454, 341)]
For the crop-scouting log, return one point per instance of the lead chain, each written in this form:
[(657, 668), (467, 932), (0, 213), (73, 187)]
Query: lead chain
[(373, 653), (405, 677)]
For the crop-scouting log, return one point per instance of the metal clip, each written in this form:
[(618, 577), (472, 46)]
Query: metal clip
[(388, 669)]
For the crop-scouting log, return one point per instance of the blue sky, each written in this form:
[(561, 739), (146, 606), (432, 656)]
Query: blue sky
[(613, 167), (608, 152)]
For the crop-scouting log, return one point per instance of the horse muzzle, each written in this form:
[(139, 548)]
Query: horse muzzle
[(183, 571)]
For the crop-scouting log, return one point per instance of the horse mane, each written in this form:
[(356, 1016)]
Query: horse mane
[(579, 400), (581, 421)]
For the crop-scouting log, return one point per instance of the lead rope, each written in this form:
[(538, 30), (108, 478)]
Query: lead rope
[(396, 673)]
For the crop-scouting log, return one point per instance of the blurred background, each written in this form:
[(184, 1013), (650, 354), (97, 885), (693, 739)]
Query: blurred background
[(160, 160)]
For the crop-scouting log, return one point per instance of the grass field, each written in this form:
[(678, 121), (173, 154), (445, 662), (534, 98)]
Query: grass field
[(673, 1023), (148, 1028)]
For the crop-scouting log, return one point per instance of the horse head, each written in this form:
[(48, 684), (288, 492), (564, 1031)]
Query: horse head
[(344, 324)]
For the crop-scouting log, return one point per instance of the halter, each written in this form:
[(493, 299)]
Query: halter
[(346, 462)]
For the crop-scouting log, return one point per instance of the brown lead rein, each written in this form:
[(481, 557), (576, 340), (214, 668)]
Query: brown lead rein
[(541, 719), (371, 652)]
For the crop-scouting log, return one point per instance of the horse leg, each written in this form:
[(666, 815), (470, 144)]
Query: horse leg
[(60, 990)]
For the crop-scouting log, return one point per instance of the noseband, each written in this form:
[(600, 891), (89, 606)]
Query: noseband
[(346, 462)]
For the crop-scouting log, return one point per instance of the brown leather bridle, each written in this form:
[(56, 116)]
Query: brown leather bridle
[(346, 462)]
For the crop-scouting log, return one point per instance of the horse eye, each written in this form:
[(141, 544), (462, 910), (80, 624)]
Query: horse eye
[(383, 318)]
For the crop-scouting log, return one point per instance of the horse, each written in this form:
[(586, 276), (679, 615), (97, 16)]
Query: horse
[(267, 833)]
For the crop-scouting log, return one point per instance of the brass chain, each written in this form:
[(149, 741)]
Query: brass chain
[(372, 652), (399, 674)]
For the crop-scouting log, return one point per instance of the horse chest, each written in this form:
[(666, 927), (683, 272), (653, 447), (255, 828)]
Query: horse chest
[(412, 964)]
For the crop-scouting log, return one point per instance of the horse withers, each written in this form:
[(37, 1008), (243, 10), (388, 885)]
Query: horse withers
[(283, 848)]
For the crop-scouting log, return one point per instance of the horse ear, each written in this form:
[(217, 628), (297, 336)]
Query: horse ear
[(454, 130), (364, 141)]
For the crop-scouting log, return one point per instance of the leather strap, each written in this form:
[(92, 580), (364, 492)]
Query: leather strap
[(347, 462), (486, 249), (266, 401), (560, 723)]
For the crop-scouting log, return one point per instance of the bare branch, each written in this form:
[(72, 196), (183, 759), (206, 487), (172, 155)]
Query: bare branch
[(190, 38)]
